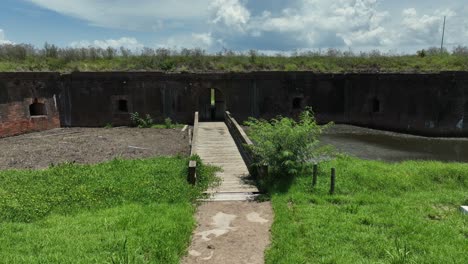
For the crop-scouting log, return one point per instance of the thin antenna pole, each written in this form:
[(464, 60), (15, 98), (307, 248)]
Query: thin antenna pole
[(443, 35)]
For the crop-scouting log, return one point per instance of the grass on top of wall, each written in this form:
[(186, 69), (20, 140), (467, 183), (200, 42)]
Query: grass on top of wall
[(381, 213), (123, 211), (334, 61)]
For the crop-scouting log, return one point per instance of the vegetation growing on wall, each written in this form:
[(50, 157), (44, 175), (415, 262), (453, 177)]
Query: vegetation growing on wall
[(147, 122), (52, 58)]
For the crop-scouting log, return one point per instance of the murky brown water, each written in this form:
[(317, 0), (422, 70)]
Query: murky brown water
[(389, 146)]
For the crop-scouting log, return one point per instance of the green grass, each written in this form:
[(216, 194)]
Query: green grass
[(164, 126), (381, 213), (123, 211), (243, 63)]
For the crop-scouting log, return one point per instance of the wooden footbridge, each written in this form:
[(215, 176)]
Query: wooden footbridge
[(222, 144)]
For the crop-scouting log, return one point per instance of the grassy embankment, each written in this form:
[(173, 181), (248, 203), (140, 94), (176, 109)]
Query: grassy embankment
[(123, 211), (381, 213), (241, 63)]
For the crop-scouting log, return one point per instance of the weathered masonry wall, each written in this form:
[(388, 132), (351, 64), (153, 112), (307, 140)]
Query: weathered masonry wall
[(426, 104), (28, 102)]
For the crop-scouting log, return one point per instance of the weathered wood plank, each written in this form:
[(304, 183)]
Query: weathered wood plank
[(216, 146)]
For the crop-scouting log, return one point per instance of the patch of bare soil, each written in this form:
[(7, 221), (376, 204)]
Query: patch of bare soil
[(89, 145), (231, 232)]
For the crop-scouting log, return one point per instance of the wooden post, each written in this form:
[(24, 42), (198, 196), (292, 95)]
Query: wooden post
[(190, 138), (192, 173), (314, 175), (332, 183)]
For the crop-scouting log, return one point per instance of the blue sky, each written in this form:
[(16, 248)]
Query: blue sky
[(275, 25)]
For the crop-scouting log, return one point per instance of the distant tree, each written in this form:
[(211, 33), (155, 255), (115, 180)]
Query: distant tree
[(253, 54), (432, 51), (460, 51), (50, 50), (421, 53), (110, 53), (124, 52)]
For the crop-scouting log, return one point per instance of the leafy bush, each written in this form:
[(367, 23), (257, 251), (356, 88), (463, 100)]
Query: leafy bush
[(141, 122), (168, 123), (285, 144)]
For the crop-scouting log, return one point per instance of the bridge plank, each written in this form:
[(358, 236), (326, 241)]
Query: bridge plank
[(217, 147)]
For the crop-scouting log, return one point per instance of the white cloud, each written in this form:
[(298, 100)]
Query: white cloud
[(421, 29), (358, 24), (129, 43), (231, 13), (3, 39), (204, 39), (270, 25), (308, 23), (134, 15), (201, 40)]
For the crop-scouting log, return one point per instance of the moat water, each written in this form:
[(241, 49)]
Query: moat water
[(388, 146)]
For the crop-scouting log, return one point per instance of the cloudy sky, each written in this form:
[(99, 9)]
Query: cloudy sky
[(274, 25)]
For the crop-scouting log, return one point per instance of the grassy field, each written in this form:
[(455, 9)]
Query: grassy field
[(123, 211), (381, 213)]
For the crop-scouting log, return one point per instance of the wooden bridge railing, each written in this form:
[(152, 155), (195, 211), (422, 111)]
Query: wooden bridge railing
[(192, 171), (243, 142)]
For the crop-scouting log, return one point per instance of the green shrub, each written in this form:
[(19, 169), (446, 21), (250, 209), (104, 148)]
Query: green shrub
[(168, 123), (141, 122), (290, 67), (285, 144)]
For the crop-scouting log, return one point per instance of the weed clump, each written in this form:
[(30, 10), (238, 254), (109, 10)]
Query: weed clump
[(287, 146), (141, 122)]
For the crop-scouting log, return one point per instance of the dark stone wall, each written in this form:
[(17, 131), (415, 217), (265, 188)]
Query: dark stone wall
[(18, 91), (425, 104)]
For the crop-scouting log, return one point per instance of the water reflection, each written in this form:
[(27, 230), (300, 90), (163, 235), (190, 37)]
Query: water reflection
[(388, 146)]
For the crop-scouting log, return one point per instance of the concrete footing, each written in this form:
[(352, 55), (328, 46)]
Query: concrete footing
[(464, 209)]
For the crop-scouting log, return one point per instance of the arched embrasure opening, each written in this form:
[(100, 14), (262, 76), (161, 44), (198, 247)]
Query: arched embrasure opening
[(211, 105), (37, 109)]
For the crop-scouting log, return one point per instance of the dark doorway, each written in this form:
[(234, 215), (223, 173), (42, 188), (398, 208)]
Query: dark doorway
[(211, 105), (122, 106), (465, 113), (37, 109), (375, 105)]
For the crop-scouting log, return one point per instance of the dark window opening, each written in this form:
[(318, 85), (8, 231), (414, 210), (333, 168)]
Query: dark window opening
[(465, 116), (297, 103), (376, 105), (122, 106), (37, 109)]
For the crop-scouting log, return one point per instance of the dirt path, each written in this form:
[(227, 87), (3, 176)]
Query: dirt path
[(231, 232), (89, 145)]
